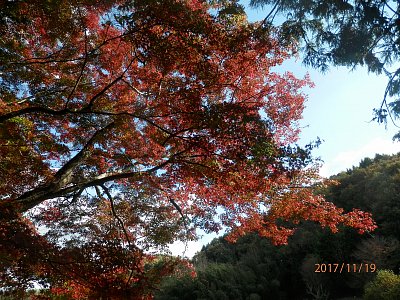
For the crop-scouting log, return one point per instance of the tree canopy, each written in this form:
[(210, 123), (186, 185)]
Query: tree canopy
[(126, 125), (346, 33)]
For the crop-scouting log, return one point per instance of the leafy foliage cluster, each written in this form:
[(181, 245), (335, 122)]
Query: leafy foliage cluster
[(386, 286), (255, 269)]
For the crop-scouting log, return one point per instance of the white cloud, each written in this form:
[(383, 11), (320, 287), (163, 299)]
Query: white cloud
[(346, 159), (185, 250), (191, 248)]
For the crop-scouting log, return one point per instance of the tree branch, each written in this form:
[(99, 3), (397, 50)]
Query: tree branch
[(270, 13), (63, 175), (121, 223), (53, 189), (177, 207)]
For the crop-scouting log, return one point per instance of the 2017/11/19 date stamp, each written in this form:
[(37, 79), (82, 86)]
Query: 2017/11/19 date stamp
[(345, 268)]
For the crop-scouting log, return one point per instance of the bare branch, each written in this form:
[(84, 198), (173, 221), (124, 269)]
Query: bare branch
[(271, 13), (135, 89), (121, 223)]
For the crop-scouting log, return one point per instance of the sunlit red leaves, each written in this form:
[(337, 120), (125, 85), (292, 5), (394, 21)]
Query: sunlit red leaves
[(360, 220), (296, 203)]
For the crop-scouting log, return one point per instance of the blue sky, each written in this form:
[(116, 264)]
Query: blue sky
[(339, 112)]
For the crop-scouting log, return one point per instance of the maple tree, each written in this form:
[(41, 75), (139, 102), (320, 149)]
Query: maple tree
[(126, 125)]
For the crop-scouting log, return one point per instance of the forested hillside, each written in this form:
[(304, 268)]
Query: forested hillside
[(255, 269)]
